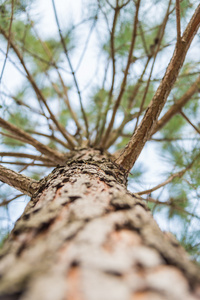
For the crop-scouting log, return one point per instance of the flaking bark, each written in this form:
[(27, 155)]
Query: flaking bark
[(84, 236)]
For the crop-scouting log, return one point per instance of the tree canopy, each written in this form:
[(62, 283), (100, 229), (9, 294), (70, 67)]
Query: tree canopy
[(117, 75)]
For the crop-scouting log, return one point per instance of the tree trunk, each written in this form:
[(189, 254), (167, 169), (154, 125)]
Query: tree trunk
[(84, 236)]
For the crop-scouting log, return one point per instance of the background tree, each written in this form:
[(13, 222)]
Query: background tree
[(100, 81)]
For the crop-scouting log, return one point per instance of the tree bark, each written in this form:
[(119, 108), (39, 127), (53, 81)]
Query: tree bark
[(84, 236)]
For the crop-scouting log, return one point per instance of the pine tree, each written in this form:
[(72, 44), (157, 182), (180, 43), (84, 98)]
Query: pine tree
[(73, 147)]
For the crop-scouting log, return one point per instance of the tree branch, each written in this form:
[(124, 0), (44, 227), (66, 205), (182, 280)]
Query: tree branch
[(38, 92), (25, 155), (154, 53), (170, 204), (188, 120), (51, 137), (20, 182), (53, 63), (123, 85), (6, 202), (53, 155), (175, 175), (8, 44), (132, 150), (72, 70), (178, 21), (112, 50), (177, 106), (22, 163)]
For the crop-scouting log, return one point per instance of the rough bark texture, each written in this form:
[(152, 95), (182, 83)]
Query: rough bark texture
[(23, 183), (84, 236)]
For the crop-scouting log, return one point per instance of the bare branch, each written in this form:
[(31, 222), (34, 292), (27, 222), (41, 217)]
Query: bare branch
[(155, 51), (38, 92), (177, 106), (134, 147), (53, 63), (137, 86), (25, 155), (172, 205), (123, 5), (72, 70), (51, 137), (118, 132), (143, 38), (123, 85), (20, 102), (20, 182), (22, 163), (188, 120), (175, 139), (6, 202), (86, 44), (14, 137), (175, 175), (110, 4), (8, 44), (53, 155), (178, 21), (112, 50)]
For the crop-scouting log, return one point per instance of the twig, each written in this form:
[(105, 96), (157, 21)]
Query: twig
[(129, 117), (52, 137), (38, 92), (6, 202), (175, 175), (123, 5), (138, 84), (143, 38), (154, 53), (171, 204), (110, 4), (112, 50), (25, 155), (132, 150), (8, 43), (188, 120), (118, 132), (72, 70), (123, 85), (20, 102), (66, 99), (53, 155), (174, 139), (22, 163), (86, 44)]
